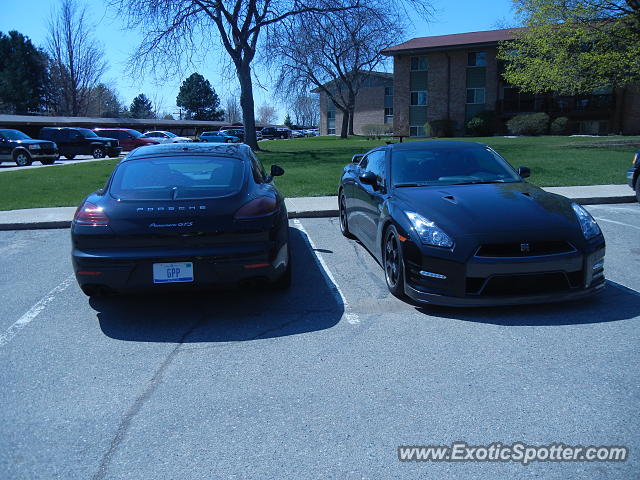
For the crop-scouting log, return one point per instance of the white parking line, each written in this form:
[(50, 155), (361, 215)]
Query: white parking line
[(617, 223), (33, 312), (351, 317)]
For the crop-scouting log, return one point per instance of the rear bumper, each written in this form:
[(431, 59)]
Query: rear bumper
[(129, 271)]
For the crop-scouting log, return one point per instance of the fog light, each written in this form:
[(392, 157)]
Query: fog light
[(598, 265), (432, 275)]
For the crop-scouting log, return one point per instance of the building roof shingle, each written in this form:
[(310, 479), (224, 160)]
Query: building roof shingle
[(452, 41)]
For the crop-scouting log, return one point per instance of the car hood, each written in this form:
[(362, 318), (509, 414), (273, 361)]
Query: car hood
[(490, 208), (33, 141), (103, 139)]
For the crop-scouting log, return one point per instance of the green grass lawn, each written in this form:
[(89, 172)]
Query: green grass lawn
[(313, 167)]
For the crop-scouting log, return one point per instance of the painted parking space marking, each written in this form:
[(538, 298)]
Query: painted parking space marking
[(34, 311), (351, 317), (617, 223)]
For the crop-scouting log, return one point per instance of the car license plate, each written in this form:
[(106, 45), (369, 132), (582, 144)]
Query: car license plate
[(172, 272)]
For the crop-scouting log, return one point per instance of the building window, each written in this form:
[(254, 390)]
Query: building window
[(388, 115), (477, 59), (475, 96), (388, 91), (419, 98), (331, 122), (419, 63), (416, 131)]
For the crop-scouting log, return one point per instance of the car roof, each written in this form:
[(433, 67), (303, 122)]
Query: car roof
[(167, 149), (435, 144), (112, 128)]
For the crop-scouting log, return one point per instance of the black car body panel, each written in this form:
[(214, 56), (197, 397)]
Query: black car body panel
[(13, 142), (80, 141), (633, 175), (491, 226), (140, 233)]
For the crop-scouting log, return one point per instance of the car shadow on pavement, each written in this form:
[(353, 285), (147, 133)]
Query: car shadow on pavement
[(616, 302), (227, 315)]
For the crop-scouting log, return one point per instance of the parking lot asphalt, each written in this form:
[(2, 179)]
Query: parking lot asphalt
[(323, 381)]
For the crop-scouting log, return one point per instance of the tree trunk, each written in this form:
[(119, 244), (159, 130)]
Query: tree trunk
[(243, 70), (351, 113), (345, 123)]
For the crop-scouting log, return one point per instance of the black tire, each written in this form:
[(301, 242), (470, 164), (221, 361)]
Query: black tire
[(284, 282), (342, 211), (98, 152), (393, 262), (69, 157), (49, 161), (22, 158)]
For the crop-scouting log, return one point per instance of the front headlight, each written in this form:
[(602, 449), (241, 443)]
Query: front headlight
[(428, 231), (588, 225), (35, 146)]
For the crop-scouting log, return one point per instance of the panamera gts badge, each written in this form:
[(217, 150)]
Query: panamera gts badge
[(169, 225), (525, 247)]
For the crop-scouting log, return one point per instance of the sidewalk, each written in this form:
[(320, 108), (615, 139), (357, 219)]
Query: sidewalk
[(303, 207)]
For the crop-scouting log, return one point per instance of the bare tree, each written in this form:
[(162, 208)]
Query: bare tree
[(182, 26), (266, 114), (77, 59), (334, 52), (306, 110), (233, 113)]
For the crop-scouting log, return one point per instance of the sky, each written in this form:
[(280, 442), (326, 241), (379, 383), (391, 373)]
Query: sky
[(31, 17)]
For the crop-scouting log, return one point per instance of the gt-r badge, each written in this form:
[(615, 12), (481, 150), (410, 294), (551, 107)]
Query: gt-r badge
[(525, 247)]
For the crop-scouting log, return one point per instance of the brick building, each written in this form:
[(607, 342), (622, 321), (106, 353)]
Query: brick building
[(374, 105), (456, 76)]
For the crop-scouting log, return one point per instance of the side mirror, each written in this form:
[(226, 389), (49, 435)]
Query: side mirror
[(369, 178), (276, 171), (357, 157), (524, 172)]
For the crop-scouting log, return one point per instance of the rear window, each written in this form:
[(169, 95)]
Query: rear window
[(177, 178)]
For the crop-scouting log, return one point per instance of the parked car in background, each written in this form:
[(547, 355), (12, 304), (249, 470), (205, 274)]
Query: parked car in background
[(217, 137), (127, 138), (234, 132), (312, 132), (162, 136), (633, 175), (452, 223), (74, 141), (183, 216), (22, 149), (297, 134), (275, 132)]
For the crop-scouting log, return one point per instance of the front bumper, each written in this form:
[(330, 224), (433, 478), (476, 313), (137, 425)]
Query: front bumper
[(507, 281), (113, 151), (39, 156), (631, 176), (131, 271)]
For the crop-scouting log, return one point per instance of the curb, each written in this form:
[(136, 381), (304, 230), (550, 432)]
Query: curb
[(61, 224)]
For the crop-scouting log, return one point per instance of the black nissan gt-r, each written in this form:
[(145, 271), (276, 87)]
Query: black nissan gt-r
[(182, 215), (452, 223)]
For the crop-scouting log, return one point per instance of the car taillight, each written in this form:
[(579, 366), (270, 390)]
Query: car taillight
[(92, 215), (634, 162), (260, 207)]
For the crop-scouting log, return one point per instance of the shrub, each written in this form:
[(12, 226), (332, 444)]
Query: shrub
[(485, 124), (529, 124), (440, 128), (376, 130), (559, 126)]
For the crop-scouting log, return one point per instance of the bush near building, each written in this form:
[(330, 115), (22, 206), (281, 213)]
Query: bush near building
[(529, 124), (376, 130), (484, 124), (559, 126), (440, 128)]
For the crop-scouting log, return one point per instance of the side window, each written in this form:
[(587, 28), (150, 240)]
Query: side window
[(363, 162), (376, 164), (62, 135)]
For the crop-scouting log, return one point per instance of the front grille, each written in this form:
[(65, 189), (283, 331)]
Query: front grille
[(524, 249), (529, 284)]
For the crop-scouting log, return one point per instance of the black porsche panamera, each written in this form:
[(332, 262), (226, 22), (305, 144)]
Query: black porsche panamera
[(452, 223), (182, 215)]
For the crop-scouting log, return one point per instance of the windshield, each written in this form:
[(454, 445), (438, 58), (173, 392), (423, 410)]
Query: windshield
[(170, 134), (210, 134), (14, 135), (455, 166), (135, 133), (177, 178), (85, 132)]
